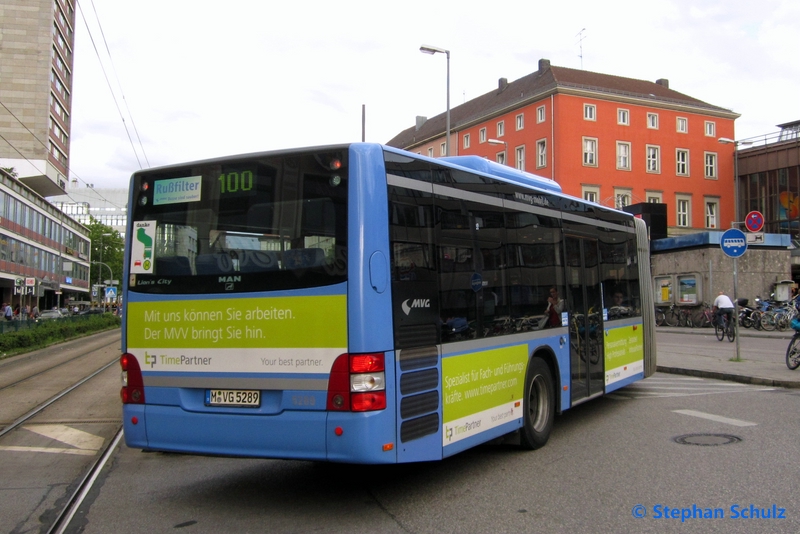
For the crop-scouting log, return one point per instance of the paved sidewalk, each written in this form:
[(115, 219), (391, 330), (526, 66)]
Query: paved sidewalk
[(749, 371)]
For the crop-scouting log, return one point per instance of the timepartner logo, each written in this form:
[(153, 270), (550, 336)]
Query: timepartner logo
[(149, 359)]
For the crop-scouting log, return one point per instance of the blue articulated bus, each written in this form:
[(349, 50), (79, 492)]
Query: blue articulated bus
[(363, 304)]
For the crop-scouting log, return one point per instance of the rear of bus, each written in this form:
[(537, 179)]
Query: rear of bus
[(240, 273)]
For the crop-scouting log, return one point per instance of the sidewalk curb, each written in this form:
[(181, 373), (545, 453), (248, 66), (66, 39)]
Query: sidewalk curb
[(744, 379)]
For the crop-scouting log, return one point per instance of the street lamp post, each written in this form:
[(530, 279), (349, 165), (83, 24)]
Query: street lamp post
[(505, 149), (736, 223), (736, 144), (110, 277), (425, 49), (100, 271)]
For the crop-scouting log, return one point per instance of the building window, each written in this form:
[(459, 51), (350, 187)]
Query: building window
[(623, 156), (622, 198), (711, 164), (682, 162), (482, 135), (430, 152), (653, 197), (589, 112), (520, 121), (501, 129), (712, 211), (541, 153), (684, 206), (682, 125), (711, 129), (652, 121), (466, 140), (501, 157), (653, 161), (590, 152), (520, 155), (443, 149), (591, 193), (540, 114), (623, 117)]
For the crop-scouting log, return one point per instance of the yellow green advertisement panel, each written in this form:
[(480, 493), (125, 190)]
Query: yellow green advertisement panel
[(482, 390), (623, 347), (265, 335)]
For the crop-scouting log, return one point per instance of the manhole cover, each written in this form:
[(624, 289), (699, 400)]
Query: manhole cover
[(707, 440)]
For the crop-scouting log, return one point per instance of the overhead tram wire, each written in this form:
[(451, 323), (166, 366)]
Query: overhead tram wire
[(47, 150), (113, 96), (114, 69)]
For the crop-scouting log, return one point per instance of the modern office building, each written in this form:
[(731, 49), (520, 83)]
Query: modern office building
[(106, 206), (36, 44), (44, 254), (613, 140), (768, 173)]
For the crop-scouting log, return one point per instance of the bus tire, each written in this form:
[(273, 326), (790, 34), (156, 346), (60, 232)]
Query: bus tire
[(539, 405)]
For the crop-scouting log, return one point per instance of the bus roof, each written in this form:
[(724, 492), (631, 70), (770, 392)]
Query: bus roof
[(477, 163)]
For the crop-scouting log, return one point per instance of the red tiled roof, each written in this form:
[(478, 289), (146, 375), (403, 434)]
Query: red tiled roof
[(546, 80)]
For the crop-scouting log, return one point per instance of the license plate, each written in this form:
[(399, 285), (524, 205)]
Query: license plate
[(233, 397)]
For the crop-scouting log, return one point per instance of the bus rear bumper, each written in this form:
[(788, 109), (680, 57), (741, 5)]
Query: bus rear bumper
[(290, 435)]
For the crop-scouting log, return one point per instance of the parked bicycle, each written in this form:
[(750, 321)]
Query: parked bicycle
[(705, 317), (674, 316), (724, 327)]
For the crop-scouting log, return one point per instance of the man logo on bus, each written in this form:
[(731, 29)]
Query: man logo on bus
[(416, 303), (149, 360)]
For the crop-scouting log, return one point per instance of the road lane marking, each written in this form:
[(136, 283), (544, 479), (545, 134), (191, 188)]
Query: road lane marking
[(71, 436), (52, 450), (83, 443), (717, 418)]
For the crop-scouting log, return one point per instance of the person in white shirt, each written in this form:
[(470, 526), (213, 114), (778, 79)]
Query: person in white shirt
[(723, 304)]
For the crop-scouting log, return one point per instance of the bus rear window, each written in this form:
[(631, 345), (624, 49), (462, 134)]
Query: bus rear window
[(270, 222)]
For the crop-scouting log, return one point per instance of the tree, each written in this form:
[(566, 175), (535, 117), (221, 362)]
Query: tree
[(107, 247)]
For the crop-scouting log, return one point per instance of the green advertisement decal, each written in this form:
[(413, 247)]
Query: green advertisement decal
[(624, 353), (474, 383), (283, 322)]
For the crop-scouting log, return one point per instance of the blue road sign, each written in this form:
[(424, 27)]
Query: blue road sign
[(733, 243), (476, 282), (111, 292)]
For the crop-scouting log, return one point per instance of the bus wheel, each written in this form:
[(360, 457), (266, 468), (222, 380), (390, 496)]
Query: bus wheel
[(539, 406)]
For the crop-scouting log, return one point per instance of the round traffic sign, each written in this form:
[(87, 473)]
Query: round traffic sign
[(754, 221), (733, 243)]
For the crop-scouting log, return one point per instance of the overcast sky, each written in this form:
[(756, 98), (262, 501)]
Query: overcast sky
[(192, 79)]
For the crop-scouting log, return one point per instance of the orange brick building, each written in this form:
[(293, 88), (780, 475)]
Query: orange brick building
[(616, 141)]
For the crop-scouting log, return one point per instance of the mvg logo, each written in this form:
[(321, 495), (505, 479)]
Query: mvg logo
[(415, 303)]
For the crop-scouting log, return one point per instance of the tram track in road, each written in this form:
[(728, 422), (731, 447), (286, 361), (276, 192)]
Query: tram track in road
[(31, 382), (64, 518), (41, 407), (52, 368), (60, 422)]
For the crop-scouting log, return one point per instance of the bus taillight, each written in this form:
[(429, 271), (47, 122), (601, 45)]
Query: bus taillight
[(357, 383), (132, 391)]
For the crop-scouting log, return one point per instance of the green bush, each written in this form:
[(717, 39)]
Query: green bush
[(44, 333)]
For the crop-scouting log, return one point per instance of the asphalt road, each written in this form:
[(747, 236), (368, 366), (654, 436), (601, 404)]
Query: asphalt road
[(607, 462)]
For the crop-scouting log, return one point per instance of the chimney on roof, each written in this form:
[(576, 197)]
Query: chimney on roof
[(502, 83), (420, 121), (544, 64), (663, 82)]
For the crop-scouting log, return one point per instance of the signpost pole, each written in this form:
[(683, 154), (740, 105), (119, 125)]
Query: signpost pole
[(734, 244), (736, 358)]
